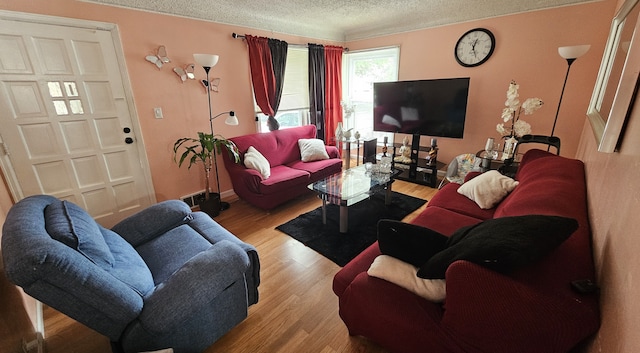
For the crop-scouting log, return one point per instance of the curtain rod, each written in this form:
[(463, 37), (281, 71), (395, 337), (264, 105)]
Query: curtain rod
[(236, 36)]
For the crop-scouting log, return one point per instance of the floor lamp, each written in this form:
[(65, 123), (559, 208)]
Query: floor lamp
[(571, 54), (207, 61)]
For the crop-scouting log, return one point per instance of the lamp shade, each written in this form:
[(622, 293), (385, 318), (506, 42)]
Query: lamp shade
[(206, 60), (573, 52), (231, 119)]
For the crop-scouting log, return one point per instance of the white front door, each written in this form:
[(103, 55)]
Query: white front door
[(67, 124)]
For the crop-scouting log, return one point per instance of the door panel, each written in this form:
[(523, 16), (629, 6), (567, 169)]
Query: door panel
[(63, 120)]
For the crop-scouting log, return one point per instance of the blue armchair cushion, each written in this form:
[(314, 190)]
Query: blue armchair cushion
[(128, 267), (74, 227)]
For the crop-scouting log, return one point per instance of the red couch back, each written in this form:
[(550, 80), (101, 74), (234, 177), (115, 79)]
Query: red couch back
[(554, 185), (279, 147)]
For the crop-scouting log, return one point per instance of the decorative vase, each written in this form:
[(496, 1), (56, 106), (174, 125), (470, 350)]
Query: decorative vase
[(509, 147), (339, 132), (357, 135), (347, 134)]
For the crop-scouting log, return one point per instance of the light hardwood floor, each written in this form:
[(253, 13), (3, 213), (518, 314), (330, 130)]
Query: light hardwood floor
[(297, 310)]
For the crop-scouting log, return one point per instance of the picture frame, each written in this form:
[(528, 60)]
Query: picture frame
[(617, 80)]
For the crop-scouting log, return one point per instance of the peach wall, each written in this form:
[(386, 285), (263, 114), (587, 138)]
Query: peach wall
[(614, 213), (184, 105), (614, 205), (526, 51)]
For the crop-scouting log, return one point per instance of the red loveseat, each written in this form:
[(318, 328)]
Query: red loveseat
[(289, 177), (533, 309)]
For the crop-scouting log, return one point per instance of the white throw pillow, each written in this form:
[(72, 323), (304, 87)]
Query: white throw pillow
[(312, 150), (404, 275), (253, 159), (488, 189)]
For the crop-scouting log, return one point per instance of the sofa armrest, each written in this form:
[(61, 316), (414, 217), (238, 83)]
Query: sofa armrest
[(471, 175), (153, 221), (332, 151), (494, 313), (193, 287), (245, 178)]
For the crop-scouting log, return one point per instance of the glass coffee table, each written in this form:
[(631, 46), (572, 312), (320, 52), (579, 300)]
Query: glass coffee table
[(350, 187)]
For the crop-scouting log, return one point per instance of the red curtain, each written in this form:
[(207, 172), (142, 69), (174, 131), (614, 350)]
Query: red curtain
[(262, 76), (333, 90)]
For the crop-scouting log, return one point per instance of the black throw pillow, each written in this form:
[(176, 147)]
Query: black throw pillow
[(409, 242), (501, 244)]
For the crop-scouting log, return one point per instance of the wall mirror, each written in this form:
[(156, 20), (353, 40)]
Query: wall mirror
[(617, 79)]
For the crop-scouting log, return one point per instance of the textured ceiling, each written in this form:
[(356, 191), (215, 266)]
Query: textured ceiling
[(339, 20)]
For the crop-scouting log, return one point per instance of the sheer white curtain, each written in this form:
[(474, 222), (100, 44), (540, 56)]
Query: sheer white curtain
[(361, 70)]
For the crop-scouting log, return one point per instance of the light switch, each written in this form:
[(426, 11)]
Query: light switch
[(158, 113)]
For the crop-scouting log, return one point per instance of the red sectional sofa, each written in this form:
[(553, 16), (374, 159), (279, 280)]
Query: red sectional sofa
[(289, 174), (532, 310)]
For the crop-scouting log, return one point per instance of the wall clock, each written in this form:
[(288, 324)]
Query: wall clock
[(475, 47)]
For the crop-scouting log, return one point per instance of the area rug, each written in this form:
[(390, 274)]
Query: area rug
[(363, 218)]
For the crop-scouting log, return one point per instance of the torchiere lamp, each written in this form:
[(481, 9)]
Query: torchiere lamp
[(570, 53), (207, 61)]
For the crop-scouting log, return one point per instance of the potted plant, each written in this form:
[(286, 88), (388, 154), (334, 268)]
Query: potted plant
[(203, 150)]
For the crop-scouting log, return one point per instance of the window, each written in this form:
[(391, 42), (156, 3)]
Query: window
[(360, 71), (62, 99), (294, 105)]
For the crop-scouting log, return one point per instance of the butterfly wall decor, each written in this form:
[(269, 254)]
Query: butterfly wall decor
[(186, 73), (160, 58), (213, 84)]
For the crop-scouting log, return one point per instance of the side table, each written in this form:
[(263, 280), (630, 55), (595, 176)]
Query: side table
[(505, 166)]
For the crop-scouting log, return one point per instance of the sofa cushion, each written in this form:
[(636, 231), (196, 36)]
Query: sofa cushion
[(502, 244), (164, 258), (283, 179), (404, 275), (319, 169), (74, 227), (488, 189), (253, 159), (449, 198), (312, 150), (550, 185), (442, 220)]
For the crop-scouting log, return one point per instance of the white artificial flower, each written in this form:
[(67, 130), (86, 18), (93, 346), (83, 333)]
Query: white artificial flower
[(531, 105), (348, 109), (521, 128), (512, 96), (512, 112), (507, 114), (501, 130)]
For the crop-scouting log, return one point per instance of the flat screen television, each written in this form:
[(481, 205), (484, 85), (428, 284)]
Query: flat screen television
[(435, 107)]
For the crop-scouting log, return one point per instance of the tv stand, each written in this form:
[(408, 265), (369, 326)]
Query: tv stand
[(417, 171)]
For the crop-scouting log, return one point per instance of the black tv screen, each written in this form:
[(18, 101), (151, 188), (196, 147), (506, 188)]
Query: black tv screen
[(435, 107)]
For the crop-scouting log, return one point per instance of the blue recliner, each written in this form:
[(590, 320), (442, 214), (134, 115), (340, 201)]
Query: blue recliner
[(164, 277)]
